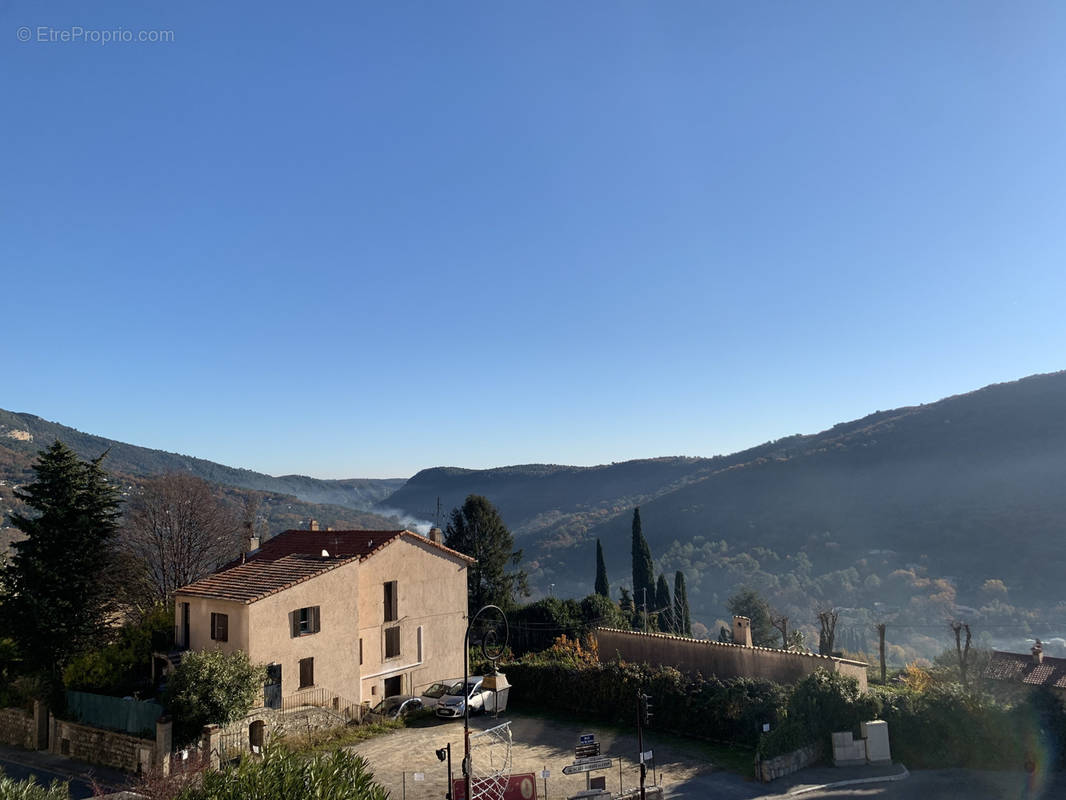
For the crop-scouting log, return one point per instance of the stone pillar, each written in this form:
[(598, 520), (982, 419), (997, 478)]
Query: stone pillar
[(164, 743), (40, 725), (210, 739)]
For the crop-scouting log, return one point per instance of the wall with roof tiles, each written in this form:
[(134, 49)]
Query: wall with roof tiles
[(724, 660), (334, 647), (432, 596)]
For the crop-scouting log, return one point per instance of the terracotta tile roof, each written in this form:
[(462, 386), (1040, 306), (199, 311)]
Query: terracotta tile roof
[(295, 556), (254, 580), (1020, 668)]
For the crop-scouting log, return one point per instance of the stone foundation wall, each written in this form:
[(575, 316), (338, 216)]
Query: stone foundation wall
[(99, 746), (788, 763), (17, 728), (236, 737)]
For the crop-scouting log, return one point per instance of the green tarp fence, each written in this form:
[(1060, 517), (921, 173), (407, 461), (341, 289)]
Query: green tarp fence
[(132, 716)]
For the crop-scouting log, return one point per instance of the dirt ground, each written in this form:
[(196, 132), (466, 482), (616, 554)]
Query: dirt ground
[(537, 744)]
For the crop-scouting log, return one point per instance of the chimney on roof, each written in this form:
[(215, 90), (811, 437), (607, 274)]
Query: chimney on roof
[(253, 543), (1038, 652), (436, 535), (313, 526), (742, 631)]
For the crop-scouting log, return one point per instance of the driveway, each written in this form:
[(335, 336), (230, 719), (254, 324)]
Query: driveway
[(539, 744), (21, 764)]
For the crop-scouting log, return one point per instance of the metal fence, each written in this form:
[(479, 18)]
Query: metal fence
[(348, 710), (115, 713)]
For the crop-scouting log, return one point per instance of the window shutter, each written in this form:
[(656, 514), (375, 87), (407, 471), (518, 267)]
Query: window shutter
[(294, 620), (223, 627), (316, 625)]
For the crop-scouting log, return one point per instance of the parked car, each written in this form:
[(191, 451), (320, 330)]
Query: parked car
[(399, 705), (453, 703), (432, 694)]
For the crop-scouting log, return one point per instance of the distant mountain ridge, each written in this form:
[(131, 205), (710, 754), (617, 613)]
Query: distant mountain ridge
[(136, 461)]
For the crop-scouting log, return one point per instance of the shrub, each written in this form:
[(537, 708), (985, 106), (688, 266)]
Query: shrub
[(122, 667), (11, 789), (825, 702), (212, 687), (283, 775)]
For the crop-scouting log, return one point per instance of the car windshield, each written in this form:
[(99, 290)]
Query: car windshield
[(456, 689), (387, 705), (436, 690)]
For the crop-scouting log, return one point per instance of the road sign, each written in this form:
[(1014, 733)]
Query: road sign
[(587, 750), (586, 738), (545, 773), (647, 755), (587, 766), (420, 776)]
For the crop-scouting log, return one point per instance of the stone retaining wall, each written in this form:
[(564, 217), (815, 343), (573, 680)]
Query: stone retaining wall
[(99, 746), (788, 763), (17, 728)]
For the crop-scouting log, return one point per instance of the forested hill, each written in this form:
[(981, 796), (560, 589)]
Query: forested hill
[(23, 435)]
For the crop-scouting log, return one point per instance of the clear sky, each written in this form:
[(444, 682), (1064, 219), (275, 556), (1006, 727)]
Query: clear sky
[(360, 239)]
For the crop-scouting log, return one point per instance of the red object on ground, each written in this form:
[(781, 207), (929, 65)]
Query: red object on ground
[(519, 787)]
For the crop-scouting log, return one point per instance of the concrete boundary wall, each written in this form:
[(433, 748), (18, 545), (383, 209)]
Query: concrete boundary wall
[(717, 658), (17, 728), (99, 746)]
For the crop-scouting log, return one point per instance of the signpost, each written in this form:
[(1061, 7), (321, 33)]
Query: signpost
[(587, 766)]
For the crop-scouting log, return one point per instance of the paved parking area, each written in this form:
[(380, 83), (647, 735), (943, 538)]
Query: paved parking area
[(539, 744)]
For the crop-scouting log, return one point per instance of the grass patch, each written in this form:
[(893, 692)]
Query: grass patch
[(337, 738)]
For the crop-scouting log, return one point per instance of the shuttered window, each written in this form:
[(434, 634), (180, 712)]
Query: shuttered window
[(306, 621), (392, 642), (392, 611), (307, 672), (220, 627)]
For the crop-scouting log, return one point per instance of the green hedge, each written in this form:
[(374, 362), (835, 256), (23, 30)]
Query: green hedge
[(730, 711)]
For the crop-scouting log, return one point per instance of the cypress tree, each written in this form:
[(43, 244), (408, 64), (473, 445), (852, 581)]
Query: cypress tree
[(59, 593), (682, 620), (602, 587), (643, 570), (664, 605)]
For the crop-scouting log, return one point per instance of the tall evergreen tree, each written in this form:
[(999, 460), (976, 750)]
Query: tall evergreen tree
[(643, 570), (664, 605), (682, 619), (602, 587), (58, 585), (476, 529), (626, 604)]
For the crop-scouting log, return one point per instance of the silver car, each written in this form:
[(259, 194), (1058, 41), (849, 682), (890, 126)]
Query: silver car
[(453, 703), (432, 694)]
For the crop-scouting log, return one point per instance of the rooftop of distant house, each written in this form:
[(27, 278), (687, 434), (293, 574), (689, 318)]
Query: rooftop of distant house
[(295, 556), (1029, 669)]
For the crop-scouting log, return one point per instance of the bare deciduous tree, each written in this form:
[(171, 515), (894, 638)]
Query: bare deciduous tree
[(179, 530), (827, 635), (780, 621), (963, 651)]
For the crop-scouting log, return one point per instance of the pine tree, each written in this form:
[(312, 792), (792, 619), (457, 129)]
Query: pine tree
[(58, 584), (477, 530), (682, 619), (602, 587), (643, 570), (664, 605)]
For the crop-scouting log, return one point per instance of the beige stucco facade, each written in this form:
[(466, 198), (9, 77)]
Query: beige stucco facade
[(348, 648)]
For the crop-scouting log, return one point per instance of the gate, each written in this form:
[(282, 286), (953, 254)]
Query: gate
[(272, 687)]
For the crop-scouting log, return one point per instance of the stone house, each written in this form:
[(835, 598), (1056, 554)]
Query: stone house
[(360, 615), (1014, 672), (736, 659)]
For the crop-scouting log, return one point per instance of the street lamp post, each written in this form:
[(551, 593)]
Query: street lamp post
[(492, 649)]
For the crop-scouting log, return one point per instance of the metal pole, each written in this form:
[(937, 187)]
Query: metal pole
[(544, 773), (466, 712), (404, 785), (448, 794), (640, 737)]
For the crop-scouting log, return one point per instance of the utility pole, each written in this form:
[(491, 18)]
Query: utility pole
[(643, 714)]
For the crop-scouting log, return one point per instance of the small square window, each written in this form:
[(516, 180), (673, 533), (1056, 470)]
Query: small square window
[(306, 621)]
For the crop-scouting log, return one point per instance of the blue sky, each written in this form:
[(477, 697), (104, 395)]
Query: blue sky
[(357, 240)]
